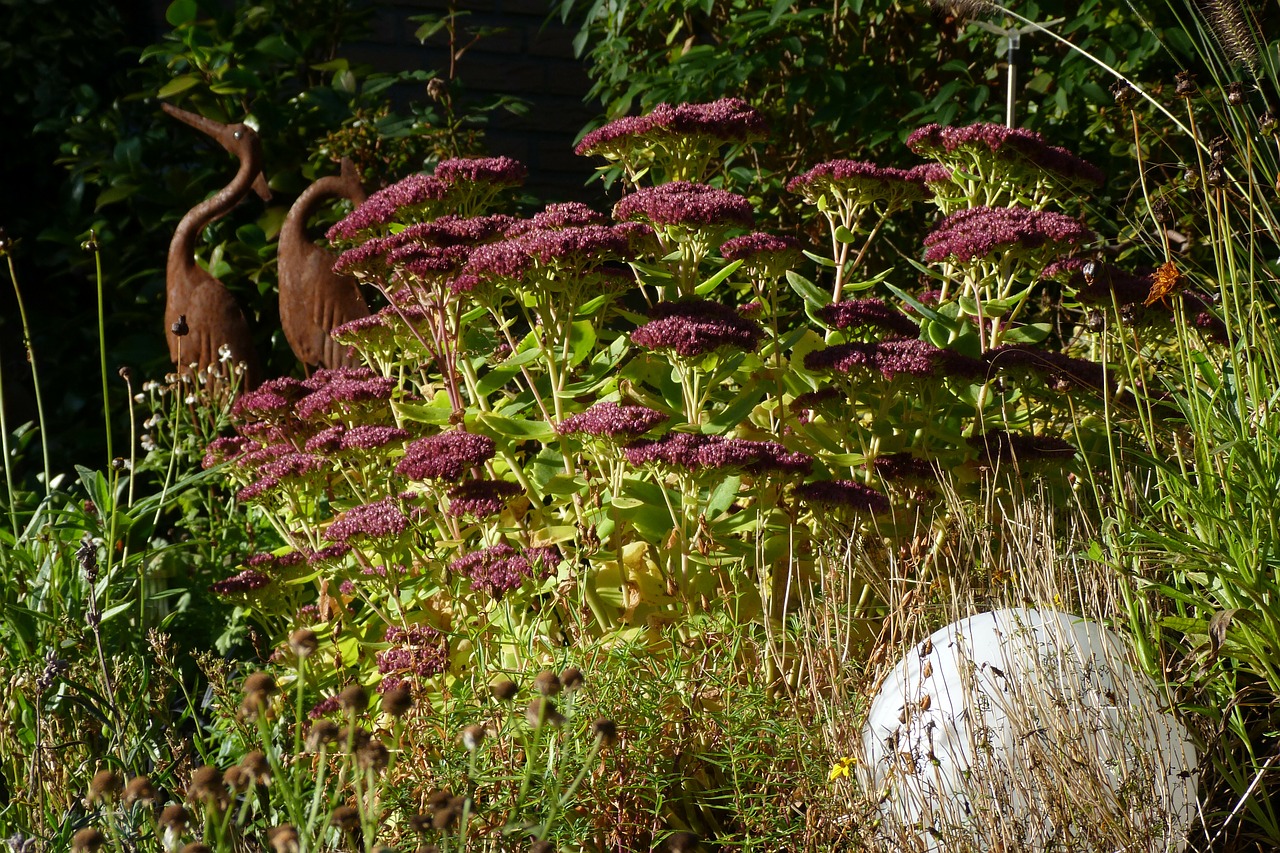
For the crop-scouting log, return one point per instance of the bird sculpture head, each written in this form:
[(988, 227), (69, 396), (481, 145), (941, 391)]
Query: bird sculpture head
[(239, 139)]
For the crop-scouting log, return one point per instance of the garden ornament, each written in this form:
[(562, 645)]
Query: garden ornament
[(1030, 730), (314, 300), (212, 317)]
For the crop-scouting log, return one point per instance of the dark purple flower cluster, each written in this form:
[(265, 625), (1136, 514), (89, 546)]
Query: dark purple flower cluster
[(571, 214), (612, 420), (842, 495), (294, 465), (868, 314), (328, 554), (419, 649), (372, 436), (903, 467), (804, 406), (725, 120), (1061, 372), (257, 489), (936, 141), (266, 561), (223, 449), (445, 456), (369, 258), (263, 454), (387, 205), (499, 569), (685, 203), (328, 440), (243, 583), (270, 399), (498, 171), (998, 445), (695, 327), (361, 329), (379, 520), (860, 182), (429, 261), (979, 232), (697, 453), (342, 389), (893, 359), (761, 247), (1096, 282), (481, 498)]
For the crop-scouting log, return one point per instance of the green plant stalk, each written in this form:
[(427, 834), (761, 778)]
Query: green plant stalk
[(102, 346), (35, 375), (8, 466)]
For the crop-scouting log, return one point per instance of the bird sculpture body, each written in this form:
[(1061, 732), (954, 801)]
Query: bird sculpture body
[(314, 300), (194, 298)]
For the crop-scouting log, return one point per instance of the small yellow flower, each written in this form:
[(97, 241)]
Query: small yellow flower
[(841, 768)]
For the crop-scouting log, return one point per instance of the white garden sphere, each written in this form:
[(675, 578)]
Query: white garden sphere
[(1029, 730)]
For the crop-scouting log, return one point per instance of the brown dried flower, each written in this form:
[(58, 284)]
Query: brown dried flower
[(139, 790), (472, 736), (207, 786), (547, 683), (505, 690), (87, 839), (304, 643), (283, 838), (345, 818), (104, 787), (571, 678), (353, 699)]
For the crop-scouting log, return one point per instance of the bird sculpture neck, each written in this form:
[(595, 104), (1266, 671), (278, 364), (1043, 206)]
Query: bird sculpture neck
[(182, 249), (346, 185)]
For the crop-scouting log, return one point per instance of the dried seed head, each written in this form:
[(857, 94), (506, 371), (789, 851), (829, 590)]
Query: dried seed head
[(682, 842), (1215, 176), (139, 790), (355, 736), (321, 733), (303, 643), (1235, 94), (104, 787), (1124, 94), (254, 704), (258, 682), (207, 786), (196, 847), (505, 690), (1184, 84), (448, 814), (439, 799), (258, 767), (87, 839), (543, 711), (283, 838), (345, 818), (421, 823), (180, 328), (353, 699), (373, 755), (542, 847), (547, 683), (606, 730), (472, 737), (397, 701), (571, 678), (237, 778), (1267, 123), (1191, 177)]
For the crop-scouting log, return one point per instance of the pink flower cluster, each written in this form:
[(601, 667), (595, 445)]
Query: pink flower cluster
[(342, 389), (699, 453), (379, 520), (612, 420), (903, 467), (893, 359), (687, 204), (865, 182), (445, 456), (500, 568), (936, 141), (1061, 371), (726, 120), (761, 247), (980, 232), (419, 649), (868, 314), (242, 583), (695, 327), (481, 498), (498, 171), (842, 495)]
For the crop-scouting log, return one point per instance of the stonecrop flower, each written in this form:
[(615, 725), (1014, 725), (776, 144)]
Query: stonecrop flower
[(762, 255), (859, 182), (699, 453), (570, 214), (341, 390), (420, 650), (725, 120), (368, 259), (1097, 282), (612, 420), (270, 400), (842, 495), (371, 437), (893, 359), (1062, 372), (379, 520), (868, 314), (481, 498), (500, 568), (904, 468), (445, 456), (241, 583), (500, 171), (681, 203), (406, 199), (981, 232), (998, 445), (695, 327), (1009, 144)]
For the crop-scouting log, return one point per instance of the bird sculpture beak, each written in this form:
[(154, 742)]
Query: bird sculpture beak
[(205, 125), (260, 187)]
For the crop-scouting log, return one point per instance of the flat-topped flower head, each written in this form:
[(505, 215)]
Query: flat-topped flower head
[(418, 650), (870, 315), (763, 255), (696, 327), (571, 214), (224, 449), (499, 569), (481, 498), (858, 182), (242, 583), (445, 456), (365, 260), (412, 199), (345, 395), (697, 453), (685, 204), (1097, 282), (903, 468), (379, 520), (1061, 372), (453, 230), (997, 446), (723, 121), (979, 233), (499, 171), (974, 144), (893, 359), (842, 495), (272, 399), (612, 421)]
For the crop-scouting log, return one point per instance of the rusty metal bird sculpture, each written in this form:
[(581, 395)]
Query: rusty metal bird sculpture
[(314, 300), (212, 317)]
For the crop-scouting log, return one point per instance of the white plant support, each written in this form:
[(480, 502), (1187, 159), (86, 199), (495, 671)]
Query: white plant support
[(1029, 730)]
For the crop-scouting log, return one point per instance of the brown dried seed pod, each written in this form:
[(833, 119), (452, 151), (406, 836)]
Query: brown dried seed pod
[(322, 733), (303, 642), (397, 701), (258, 682), (353, 699), (505, 690), (104, 787), (237, 778), (606, 730), (139, 790), (207, 786), (472, 736), (174, 817), (373, 755), (346, 818), (547, 683), (283, 838), (571, 678), (87, 839), (257, 765), (543, 711)]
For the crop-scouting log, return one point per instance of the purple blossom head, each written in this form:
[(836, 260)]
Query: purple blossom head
[(497, 171), (343, 390), (612, 421), (257, 489), (295, 466), (996, 446), (407, 200), (243, 583), (868, 314), (1059, 371), (858, 182), (1096, 282), (418, 649), (806, 405), (379, 520), (481, 498), (571, 214), (367, 259), (760, 244), (223, 449), (904, 468), (725, 120), (264, 561), (271, 400), (445, 456), (1016, 145), (372, 436), (328, 440), (695, 327), (980, 232), (370, 329), (499, 569), (681, 203), (893, 359), (697, 453), (845, 495)]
